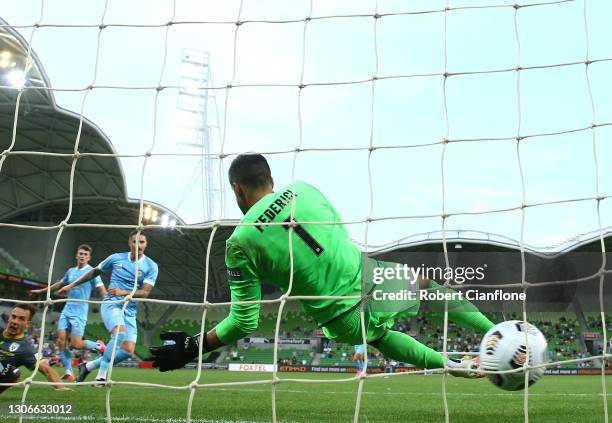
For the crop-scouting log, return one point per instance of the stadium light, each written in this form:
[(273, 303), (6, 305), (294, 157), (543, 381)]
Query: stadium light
[(5, 60), (16, 78), (165, 220), (147, 213), (151, 215)]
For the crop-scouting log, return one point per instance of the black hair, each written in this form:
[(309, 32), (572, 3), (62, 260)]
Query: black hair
[(29, 307), (250, 170), (134, 232)]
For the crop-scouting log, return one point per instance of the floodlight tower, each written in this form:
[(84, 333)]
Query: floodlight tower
[(194, 128)]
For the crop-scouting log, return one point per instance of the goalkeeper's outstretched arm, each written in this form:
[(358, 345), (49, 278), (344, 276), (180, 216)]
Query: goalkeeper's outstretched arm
[(242, 320), (179, 348)]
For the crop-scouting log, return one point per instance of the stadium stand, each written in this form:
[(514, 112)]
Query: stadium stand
[(562, 330), (12, 266)]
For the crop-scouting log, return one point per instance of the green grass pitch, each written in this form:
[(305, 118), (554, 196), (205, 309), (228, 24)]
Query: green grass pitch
[(406, 398)]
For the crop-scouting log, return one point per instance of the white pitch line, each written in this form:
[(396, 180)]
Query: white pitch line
[(136, 419), (403, 393)]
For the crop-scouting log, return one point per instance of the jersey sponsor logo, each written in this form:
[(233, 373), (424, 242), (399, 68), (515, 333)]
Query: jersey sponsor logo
[(234, 274), (275, 208), (13, 347)]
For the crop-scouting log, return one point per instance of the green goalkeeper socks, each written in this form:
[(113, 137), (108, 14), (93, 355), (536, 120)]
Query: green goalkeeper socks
[(401, 347), (473, 319), (460, 311), (404, 348)]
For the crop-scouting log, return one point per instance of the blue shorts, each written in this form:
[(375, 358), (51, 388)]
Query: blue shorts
[(72, 323), (113, 316)]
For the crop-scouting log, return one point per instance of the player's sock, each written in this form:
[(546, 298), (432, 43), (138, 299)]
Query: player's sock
[(66, 358), (92, 365), (460, 311), (103, 368), (102, 373), (122, 355), (120, 336), (106, 357), (402, 347), (105, 363), (473, 319), (91, 345)]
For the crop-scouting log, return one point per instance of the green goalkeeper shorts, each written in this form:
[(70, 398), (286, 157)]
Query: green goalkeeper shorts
[(347, 328), (379, 316)]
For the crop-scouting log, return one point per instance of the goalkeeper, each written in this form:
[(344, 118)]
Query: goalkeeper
[(325, 263)]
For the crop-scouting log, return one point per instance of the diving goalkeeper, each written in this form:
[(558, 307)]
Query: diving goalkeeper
[(325, 263)]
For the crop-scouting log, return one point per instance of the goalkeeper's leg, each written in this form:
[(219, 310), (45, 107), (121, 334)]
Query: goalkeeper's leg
[(393, 344), (404, 348), (460, 311)]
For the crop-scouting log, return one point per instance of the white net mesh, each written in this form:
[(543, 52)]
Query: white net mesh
[(373, 18)]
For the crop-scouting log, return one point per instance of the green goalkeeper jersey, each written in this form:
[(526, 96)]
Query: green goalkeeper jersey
[(325, 261)]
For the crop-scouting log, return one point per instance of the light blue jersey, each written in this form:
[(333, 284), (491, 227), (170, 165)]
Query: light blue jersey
[(81, 292), (359, 349), (123, 276)]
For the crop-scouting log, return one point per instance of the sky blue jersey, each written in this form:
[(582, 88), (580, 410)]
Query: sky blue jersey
[(81, 292), (123, 275)]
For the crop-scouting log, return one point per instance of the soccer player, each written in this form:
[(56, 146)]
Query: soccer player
[(358, 357), (15, 351), (74, 315), (121, 325), (324, 263)]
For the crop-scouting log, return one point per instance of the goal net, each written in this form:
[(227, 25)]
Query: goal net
[(442, 123)]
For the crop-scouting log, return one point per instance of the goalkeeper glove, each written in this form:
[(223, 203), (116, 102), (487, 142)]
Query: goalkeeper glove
[(174, 356)]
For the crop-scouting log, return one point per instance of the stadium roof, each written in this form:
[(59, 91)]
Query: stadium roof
[(31, 182), (486, 238), (35, 189)]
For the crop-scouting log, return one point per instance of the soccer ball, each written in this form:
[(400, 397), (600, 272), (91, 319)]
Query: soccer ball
[(504, 347)]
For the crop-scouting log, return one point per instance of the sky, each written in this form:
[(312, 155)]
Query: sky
[(400, 110)]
